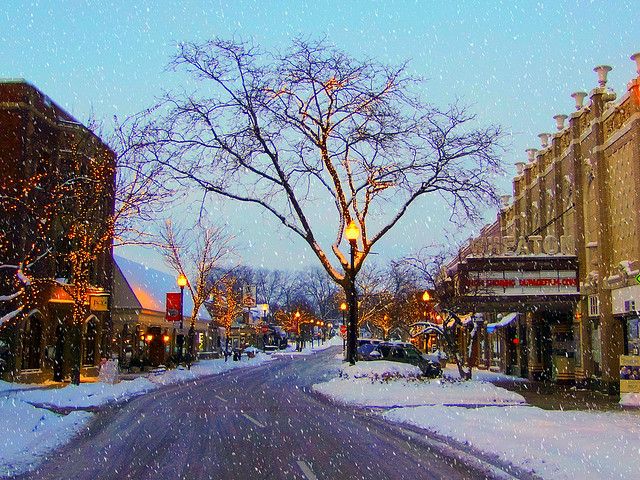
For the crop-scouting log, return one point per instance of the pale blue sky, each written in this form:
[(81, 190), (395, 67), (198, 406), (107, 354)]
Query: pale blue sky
[(516, 63)]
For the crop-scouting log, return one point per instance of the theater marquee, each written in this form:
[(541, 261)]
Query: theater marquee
[(521, 282)]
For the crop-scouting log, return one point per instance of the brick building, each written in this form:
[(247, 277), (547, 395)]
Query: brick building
[(47, 159), (557, 268)]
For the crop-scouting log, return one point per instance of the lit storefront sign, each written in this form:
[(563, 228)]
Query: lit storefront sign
[(99, 303)]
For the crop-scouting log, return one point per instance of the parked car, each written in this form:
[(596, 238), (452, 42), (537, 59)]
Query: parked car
[(411, 355), (369, 351)]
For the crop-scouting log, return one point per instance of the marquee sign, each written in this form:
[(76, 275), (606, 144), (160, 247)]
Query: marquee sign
[(508, 282), (500, 283)]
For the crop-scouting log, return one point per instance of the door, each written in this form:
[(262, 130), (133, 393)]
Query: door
[(58, 359), (31, 343), (156, 346)]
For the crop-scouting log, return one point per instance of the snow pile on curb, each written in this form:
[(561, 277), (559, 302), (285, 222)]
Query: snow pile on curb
[(86, 395), (380, 371), (29, 433), (389, 384), (552, 444)]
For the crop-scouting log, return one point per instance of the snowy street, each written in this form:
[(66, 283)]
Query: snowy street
[(261, 421)]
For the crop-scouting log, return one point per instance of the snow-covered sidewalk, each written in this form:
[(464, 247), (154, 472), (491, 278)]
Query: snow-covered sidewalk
[(551, 444), (30, 432)]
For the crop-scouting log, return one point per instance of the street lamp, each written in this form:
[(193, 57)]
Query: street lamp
[(298, 342), (352, 232), (426, 298), (343, 307), (182, 282)]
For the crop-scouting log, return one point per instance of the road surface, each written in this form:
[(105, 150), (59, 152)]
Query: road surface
[(261, 422)]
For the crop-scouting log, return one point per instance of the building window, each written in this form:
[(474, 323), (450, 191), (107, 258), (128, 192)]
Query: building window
[(633, 336), (594, 306)]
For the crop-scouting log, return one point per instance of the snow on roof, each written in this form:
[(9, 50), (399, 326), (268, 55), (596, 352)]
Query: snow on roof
[(151, 286)]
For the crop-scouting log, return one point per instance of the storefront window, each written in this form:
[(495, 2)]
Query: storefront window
[(633, 336), (595, 348)]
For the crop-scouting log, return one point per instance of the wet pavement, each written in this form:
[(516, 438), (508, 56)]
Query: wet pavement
[(260, 422)]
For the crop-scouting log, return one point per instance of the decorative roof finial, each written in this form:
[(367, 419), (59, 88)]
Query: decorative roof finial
[(560, 121), (602, 71), (579, 98)]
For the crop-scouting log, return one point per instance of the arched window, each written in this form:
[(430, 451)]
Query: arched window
[(32, 341)]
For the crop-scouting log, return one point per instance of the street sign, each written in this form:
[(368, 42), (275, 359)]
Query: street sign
[(173, 307), (638, 278), (343, 329)]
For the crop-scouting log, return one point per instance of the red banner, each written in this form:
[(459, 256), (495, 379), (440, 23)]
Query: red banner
[(174, 307)]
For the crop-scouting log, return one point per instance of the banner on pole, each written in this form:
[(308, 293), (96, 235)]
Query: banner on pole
[(174, 307)]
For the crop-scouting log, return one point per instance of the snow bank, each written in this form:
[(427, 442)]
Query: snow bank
[(388, 384), (37, 432), (553, 444), (87, 395), (381, 370)]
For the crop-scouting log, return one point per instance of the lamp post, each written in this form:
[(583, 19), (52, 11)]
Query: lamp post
[(352, 232), (343, 308), (265, 309), (182, 282), (426, 298), (297, 318)]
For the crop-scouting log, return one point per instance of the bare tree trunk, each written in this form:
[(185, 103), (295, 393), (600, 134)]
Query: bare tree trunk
[(352, 328)]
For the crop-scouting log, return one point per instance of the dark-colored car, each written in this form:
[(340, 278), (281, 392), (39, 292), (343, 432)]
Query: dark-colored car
[(369, 351), (403, 354)]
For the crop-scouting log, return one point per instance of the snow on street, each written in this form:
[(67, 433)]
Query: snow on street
[(551, 444), (40, 430)]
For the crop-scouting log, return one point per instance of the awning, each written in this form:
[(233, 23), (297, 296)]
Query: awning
[(506, 320)]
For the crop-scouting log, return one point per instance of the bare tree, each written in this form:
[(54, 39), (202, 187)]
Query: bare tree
[(432, 269), (315, 127), (320, 290), (141, 189), (197, 254)]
